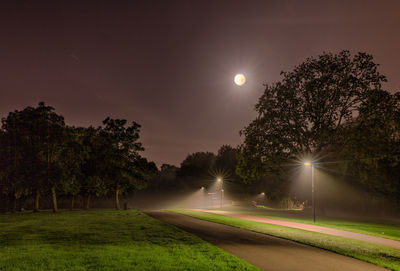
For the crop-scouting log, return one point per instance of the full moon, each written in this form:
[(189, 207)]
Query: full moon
[(239, 79)]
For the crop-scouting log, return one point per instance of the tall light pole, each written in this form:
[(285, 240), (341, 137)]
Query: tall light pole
[(219, 179), (312, 186)]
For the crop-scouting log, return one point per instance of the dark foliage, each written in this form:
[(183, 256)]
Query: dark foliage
[(329, 108), (40, 155)]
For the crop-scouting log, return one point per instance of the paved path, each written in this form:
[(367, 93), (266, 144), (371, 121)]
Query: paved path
[(266, 252), (348, 234)]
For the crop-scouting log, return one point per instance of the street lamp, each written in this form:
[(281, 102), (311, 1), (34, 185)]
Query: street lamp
[(307, 164), (219, 179)]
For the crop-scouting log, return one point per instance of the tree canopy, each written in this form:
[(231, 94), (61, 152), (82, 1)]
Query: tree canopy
[(41, 155), (318, 111)]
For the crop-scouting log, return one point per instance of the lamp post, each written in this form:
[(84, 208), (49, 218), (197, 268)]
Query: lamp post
[(312, 186), (219, 179)]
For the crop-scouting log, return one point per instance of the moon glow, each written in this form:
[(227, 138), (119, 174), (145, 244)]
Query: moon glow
[(239, 79)]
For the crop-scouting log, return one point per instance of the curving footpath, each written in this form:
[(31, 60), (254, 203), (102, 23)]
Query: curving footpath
[(264, 251), (348, 234)]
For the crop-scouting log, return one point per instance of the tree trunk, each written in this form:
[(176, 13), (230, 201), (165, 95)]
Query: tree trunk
[(53, 193), (88, 202), (37, 197), (72, 202), (117, 199)]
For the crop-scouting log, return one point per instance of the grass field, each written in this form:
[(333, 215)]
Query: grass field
[(383, 256), (104, 240), (390, 230)]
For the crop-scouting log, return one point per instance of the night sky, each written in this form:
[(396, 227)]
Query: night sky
[(169, 65)]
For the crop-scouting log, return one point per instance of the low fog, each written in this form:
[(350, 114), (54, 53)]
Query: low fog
[(334, 198)]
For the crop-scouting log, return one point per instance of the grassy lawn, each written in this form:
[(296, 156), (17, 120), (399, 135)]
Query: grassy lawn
[(104, 240), (383, 256), (390, 230)]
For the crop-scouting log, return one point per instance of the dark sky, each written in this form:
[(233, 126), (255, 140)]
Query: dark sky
[(169, 65)]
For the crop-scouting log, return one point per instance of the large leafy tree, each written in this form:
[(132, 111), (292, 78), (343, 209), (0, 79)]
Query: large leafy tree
[(124, 166), (304, 113), (34, 135)]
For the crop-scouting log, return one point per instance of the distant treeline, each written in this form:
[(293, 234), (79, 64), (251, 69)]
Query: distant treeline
[(40, 155), (201, 169)]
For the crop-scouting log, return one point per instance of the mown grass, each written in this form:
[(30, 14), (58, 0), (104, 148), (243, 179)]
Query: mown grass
[(379, 255), (104, 240), (389, 231)]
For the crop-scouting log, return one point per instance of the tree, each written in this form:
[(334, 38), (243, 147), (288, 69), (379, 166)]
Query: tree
[(124, 167), (198, 169), (302, 115), (225, 165), (370, 145), (15, 156), (7, 169), (94, 166), (53, 132), (142, 171), (73, 154), (226, 159), (165, 179), (34, 136)]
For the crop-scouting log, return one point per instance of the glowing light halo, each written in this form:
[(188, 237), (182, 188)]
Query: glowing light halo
[(239, 79)]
